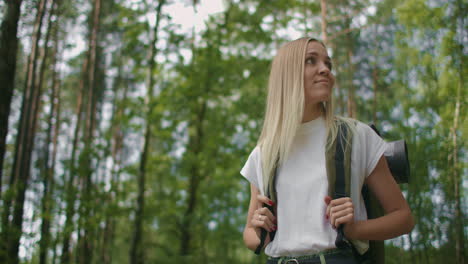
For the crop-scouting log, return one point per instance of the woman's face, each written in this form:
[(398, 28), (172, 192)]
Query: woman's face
[(318, 79)]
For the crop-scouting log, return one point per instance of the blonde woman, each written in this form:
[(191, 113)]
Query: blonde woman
[(298, 121)]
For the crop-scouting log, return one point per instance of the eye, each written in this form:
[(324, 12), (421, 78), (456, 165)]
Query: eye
[(310, 61), (329, 65)]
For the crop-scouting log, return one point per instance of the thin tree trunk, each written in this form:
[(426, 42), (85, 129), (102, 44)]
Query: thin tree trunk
[(85, 205), (137, 254), (116, 152), (195, 145), (11, 233), (305, 17), (323, 5), (71, 190), (48, 174), (54, 148), (375, 79), (460, 15), (375, 84), (8, 50), (351, 99)]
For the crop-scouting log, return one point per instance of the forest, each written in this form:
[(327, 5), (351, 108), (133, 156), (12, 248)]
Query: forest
[(124, 124)]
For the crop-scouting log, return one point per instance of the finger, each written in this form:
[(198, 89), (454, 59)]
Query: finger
[(337, 202), (262, 222), (343, 213), (341, 207), (344, 219), (268, 213), (269, 223), (340, 201), (264, 200)]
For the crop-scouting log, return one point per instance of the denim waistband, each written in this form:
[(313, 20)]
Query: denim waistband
[(321, 257)]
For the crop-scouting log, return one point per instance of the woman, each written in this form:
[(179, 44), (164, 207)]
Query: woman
[(299, 127)]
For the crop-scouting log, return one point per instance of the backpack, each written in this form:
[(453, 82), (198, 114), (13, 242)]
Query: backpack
[(338, 166)]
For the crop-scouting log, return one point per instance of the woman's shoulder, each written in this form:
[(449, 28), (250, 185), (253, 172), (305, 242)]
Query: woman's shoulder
[(359, 126), (255, 153)]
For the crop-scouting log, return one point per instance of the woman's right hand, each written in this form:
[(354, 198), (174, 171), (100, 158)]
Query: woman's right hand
[(258, 217), (262, 216)]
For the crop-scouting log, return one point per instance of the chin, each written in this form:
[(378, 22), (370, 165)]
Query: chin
[(317, 98)]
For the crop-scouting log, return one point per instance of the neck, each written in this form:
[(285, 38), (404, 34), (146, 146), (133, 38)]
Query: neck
[(311, 112)]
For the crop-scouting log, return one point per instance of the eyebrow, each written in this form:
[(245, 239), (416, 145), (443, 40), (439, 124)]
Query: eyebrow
[(316, 54)]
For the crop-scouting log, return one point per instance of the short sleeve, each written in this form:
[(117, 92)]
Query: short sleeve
[(251, 169), (372, 147)]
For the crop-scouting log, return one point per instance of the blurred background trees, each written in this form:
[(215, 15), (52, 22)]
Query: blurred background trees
[(124, 124)]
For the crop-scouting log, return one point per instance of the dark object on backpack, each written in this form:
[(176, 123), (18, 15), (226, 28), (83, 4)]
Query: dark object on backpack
[(397, 158)]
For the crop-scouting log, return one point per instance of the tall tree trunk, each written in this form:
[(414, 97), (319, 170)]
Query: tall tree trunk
[(375, 78), (323, 13), (351, 99), (48, 173), (375, 84), (8, 50), (11, 232), (195, 146), (71, 190), (460, 15), (137, 254), (86, 216), (116, 153), (305, 17), (54, 150)]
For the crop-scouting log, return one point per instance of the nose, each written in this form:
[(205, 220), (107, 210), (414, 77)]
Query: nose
[(324, 70)]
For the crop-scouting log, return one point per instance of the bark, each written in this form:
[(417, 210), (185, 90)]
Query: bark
[(375, 84), (8, 50), (48, 173), (86, 253), (457, 167), (351, 99), (195, 148), (195, 145), (116, 150), (137, 250), (305, 17), (323, 5), (70, 189), (11, 232), (375, 79)]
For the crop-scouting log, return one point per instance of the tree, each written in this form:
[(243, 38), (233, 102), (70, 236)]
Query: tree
[(8, 49), (137, 249), (11, 231)]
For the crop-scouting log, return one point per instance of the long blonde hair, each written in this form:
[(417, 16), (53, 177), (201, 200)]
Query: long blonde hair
[(285, 108)]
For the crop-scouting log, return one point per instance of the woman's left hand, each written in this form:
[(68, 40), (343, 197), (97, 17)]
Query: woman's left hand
[(339, 211)]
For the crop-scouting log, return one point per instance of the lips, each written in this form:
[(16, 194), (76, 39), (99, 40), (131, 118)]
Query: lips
[(322, 81)]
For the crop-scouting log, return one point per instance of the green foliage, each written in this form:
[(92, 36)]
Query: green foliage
[(206, 116)]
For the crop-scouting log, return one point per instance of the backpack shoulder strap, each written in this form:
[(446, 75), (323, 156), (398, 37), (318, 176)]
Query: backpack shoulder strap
[(338, 162), (338, 159), (270, 193)]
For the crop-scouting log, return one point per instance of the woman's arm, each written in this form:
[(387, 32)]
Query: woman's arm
[(397, 219), (253, 224)]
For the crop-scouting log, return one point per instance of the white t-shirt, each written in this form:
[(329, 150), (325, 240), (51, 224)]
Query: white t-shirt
[(302, 185)]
